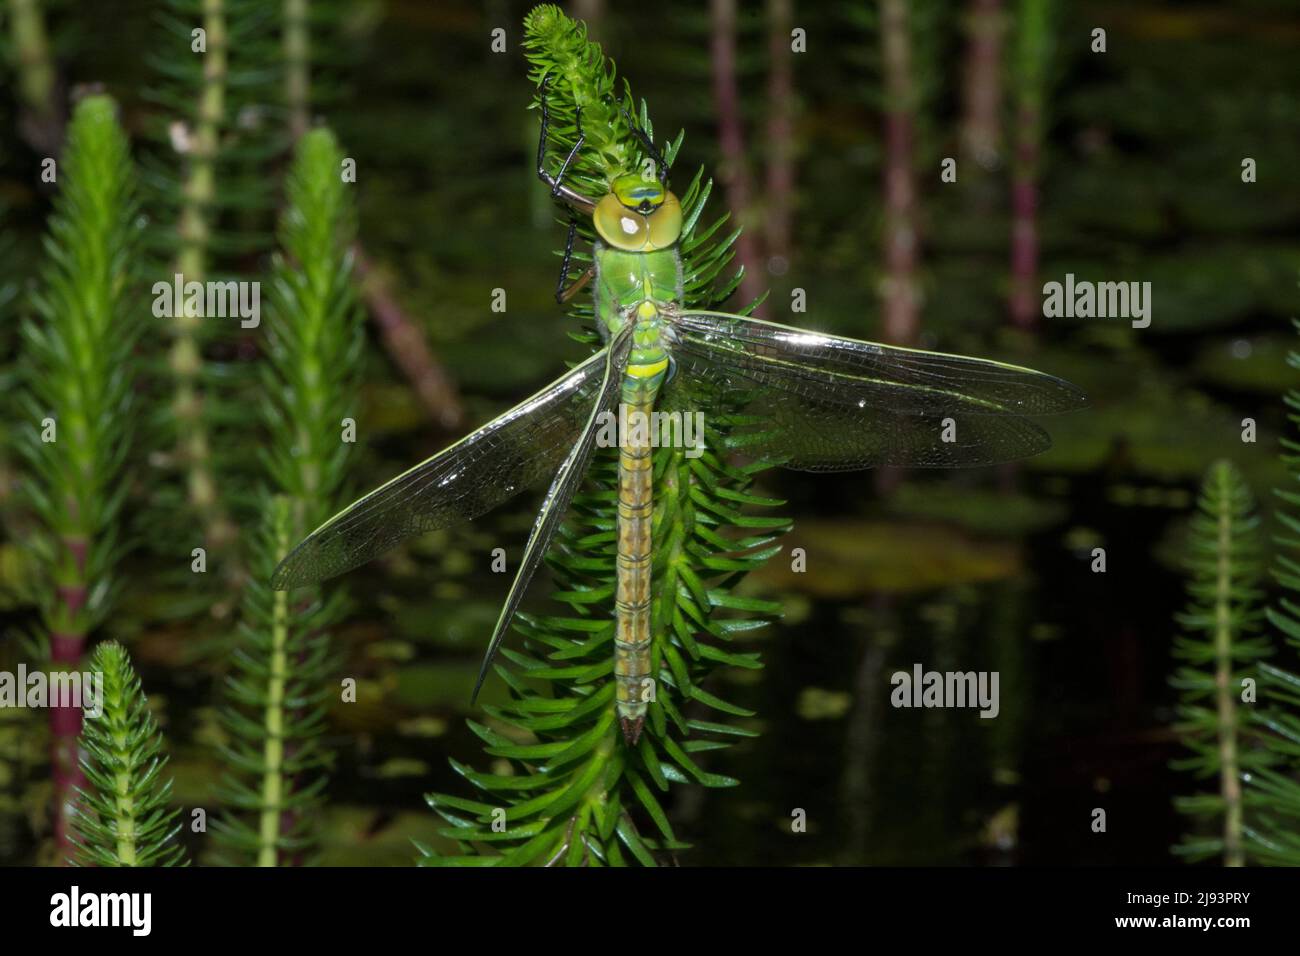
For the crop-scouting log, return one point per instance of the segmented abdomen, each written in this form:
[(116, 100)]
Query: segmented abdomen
[(632, 639)]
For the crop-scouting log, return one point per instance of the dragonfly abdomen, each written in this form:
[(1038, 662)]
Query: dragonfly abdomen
[(632, 637)]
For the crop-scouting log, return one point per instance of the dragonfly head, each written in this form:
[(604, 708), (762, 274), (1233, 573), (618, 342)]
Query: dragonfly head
[(638, 215)]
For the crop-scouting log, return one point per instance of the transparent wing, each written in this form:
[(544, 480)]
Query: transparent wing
[(817, 402), (566, 482), (516, 450)]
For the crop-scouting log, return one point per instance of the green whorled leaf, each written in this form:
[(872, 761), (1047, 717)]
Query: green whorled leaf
[(1221, 650), (79, 370), (275, 698), (1273, 823), (124, 815)]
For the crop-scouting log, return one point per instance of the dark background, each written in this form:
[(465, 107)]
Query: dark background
[(978, 570)]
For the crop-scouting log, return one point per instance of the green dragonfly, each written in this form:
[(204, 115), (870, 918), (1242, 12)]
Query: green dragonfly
[(814, 402)]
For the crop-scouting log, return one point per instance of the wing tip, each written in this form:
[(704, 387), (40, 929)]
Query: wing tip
[(1073, 398)]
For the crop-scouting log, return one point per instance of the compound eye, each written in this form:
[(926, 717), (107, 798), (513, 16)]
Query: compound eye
[(666, 223), (619, 226), (643, 195)]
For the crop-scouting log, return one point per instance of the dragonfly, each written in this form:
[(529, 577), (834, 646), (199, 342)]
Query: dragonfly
[(816, 403)]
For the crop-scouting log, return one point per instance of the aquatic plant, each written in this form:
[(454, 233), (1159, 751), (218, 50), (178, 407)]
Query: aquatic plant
[(1032, 47), (124, 815), (1273, 833), (29, 47), (209, 199), (901, 53), (1219, 646), (78, 404), (312, 48), (274, 711), (576, 793)]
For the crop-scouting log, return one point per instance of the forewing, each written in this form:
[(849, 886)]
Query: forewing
[(514, 451), (566, 482), (817, 402)]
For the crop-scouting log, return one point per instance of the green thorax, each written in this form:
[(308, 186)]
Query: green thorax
[(640, 284)]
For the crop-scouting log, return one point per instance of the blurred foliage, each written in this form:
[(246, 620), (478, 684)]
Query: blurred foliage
[(276, 696), (209, 202), (1274, 836), (1219, 647), (79, 376), (1141, 181)]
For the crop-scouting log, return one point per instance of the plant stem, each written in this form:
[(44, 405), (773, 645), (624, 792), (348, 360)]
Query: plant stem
[(1229, 781), (43, 122), (1033, 45), (901, 296), (1024, 221), (982, 89), (407, 348), (780, 132), (273, 746), (122, 782), (194, 230), (731, 139), (65, 729), (297, 65)]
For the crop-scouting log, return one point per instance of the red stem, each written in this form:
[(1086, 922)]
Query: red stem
[(406, 346), (1024, 305), (65, 732), (731, 140), (981, 134), (901, 296), (780, 151)]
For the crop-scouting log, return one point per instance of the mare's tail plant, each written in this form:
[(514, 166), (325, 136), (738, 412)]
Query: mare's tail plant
[(1219, 646), (210, 199), (78, 405), (575, 792), (276, 696), (1273, 832), (1032, 57), (318, 40), (124, 816), (29, 49)]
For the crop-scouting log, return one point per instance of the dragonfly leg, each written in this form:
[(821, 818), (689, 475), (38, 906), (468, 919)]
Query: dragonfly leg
[(564, 847), (558, 189), (660, 163), (562, 294)]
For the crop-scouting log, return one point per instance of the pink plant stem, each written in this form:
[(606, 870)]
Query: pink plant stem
[(981, 134), (901, 297), (731, 140), (780, 148), (1024, 305), (406, 346), (65, 724)]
